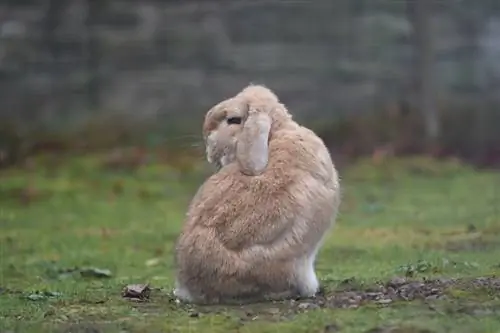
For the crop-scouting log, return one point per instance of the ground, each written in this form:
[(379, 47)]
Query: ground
[(415, 249)]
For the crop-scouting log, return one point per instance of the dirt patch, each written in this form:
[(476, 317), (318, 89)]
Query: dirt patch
[(352, 295), (398, 289), (393, 329), (83, 328)]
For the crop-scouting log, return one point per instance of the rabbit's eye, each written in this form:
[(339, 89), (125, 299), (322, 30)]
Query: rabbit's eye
[(234, 120)]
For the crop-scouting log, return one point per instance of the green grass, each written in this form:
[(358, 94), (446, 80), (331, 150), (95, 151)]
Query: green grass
[(434, 219)]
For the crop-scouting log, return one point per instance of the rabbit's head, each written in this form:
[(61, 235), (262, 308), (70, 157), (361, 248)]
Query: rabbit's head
[(239, 129)]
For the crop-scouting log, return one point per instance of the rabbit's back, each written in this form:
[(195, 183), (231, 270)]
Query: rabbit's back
[(299, 182)]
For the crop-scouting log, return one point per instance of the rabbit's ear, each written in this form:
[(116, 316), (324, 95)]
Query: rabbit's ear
[(252, 150)]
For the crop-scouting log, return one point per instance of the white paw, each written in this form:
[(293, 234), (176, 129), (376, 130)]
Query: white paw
[(308, 283)]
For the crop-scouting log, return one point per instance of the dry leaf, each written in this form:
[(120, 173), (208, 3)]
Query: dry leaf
[(136, 291)]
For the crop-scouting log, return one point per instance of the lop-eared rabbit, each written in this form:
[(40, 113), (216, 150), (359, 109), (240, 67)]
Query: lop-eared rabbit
[(253, 229)]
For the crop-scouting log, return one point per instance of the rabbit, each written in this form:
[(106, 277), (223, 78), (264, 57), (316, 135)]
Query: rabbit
[(253, 229)]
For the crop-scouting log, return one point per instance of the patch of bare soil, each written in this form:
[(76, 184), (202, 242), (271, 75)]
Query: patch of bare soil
[(351, 295), (81, 328), (392, 329)]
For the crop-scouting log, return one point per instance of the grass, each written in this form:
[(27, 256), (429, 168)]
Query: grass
[(413, 217)]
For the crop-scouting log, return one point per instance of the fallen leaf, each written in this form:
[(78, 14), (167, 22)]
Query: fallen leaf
[(136, 291), (42, 295), (95, 272), (54, 272)]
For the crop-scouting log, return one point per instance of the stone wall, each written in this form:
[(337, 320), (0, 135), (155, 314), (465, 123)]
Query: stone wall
[(176, 58)]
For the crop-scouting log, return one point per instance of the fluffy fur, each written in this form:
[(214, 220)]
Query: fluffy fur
[(254, 227)]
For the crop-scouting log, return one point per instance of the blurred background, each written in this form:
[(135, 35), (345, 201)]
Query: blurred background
[(101, 111), (376, 77)]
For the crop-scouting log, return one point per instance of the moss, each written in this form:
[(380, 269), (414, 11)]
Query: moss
[(78, 213)]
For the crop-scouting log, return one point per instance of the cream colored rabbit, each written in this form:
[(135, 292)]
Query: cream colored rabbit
[(254, 228)]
